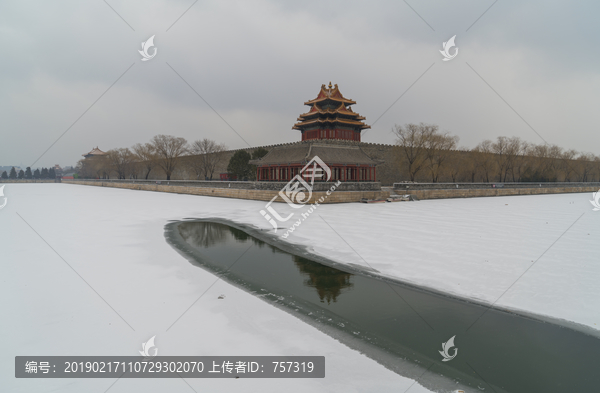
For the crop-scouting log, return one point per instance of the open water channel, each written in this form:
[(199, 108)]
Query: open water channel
[(400, 326)]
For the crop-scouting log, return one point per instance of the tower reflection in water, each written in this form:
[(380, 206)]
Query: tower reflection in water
[(327, 281), (389, 318)]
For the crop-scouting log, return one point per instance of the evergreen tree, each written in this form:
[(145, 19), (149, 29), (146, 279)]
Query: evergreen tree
[(21, 174), (259, 153), (256, 154), (238, 165), (51, 173), (4, 175), (13, 173), (44, 173), (28, 174), (36, 174)]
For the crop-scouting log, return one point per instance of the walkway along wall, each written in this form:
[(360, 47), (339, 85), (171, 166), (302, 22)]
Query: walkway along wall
[(23, 181), (346, 192), (260, 191), (471, 190)]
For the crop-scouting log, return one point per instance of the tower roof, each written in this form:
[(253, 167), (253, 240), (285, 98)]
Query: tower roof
[(95, 152), (329, 122), (330, 111), (330, 93)]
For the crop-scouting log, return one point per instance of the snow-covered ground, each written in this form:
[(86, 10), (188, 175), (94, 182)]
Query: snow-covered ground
[(537, 254), (114, 240)]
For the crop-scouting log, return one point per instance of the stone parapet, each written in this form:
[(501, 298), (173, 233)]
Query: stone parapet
[(239, 185), (21, 181), (489, 192), (339, 196), (408, 186)]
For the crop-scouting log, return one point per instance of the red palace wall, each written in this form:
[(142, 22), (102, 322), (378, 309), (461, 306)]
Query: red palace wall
[(338, 172), (331, 134)]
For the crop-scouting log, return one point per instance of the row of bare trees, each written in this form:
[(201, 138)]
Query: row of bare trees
[(163, 151), (427, 153)]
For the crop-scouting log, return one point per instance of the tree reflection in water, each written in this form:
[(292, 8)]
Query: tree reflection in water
[(203, 234), (390, 326), (328, 281), (206, 234)]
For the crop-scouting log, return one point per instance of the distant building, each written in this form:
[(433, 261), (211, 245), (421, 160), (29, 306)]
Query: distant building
[(95, 152), (8, 168), (227, 176), (330, 130), (58, 170)]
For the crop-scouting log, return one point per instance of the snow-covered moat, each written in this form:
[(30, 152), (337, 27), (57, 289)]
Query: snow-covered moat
[(401, 327), (87, 271)]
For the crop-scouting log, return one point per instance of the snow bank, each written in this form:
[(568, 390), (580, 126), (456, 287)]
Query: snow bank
[(538, 254), (114, 240)]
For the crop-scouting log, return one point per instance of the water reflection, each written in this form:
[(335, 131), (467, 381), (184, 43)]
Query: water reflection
[(328, 281), (204, 235), (502, 352)]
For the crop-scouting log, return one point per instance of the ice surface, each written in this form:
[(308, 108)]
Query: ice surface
[(537, 254), (114, 239)]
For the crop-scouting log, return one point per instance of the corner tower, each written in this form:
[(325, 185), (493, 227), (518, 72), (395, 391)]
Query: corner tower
[(330, 117)]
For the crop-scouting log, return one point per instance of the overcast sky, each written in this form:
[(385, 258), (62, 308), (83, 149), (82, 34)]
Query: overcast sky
[(523, 69)]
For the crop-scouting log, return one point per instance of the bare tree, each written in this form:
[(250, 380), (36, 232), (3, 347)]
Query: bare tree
[(437, 150), (537, 167), (121, 161), (412, 139), (168, 150), (83, 169), (566, 163), (519, 161), (146, 156), (207, 156), (584, 166), (541, 168), (596, 168), (94, 167), (483, 158), (505, 150), (554, 155), (459, 166), (501, 156)]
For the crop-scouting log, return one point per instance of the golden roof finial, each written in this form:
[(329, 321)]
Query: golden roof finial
[(330, 85)]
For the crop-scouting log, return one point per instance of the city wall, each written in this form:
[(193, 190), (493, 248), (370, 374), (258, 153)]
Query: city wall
[(387, 173)]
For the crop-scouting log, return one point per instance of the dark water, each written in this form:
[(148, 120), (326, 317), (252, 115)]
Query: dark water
[(401, 327)]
